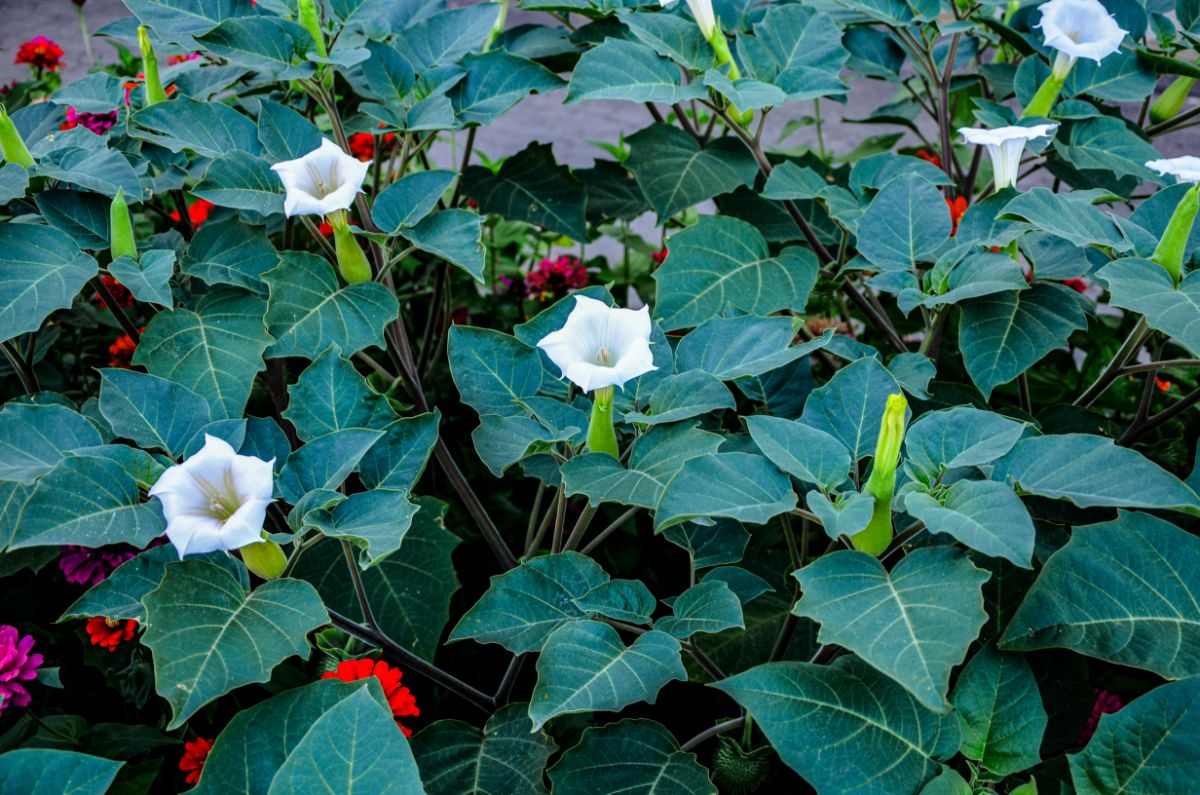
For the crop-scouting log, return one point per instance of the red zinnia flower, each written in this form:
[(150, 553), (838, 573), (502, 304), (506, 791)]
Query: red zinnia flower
[(41, 54), (958, 208), (1163, 384), (1106, 704), (362, 145), (929, 157), (110, 634), (659, 257), (122, 351), (1078, 285), (399, 697), (120, 293), (197, 212), (195, 754), (555, 278)]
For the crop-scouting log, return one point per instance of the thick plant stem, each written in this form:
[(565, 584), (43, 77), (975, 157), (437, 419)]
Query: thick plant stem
[(1112, 371), (1173, 244), (1043, 101), (602, 437), (708, 734), (881, 485)]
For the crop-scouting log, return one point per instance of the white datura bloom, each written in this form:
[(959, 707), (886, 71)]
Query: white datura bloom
[(601, 345), (1184, 169), (1079, 29), (324, 181), (1005, 146), (216, 499), (702, 10)]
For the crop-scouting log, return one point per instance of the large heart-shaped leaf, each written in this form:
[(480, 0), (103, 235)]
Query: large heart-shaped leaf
[(330, 395), (152, 411), (42, 270), (584, 667), (1144, 287), (494, 372), (746, 345), (1124, 591), (905, 223), (1000, 710), (676, 173), (531, 186), (850, 406), (629, 70), (209, 636), (639, 757), (913, 623), (963, 436), (32, 771), (741, 486), (805, 452), (985, 515), (846, 728), (33, 438)]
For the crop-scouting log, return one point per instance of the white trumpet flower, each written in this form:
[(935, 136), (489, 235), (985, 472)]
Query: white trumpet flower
[(601, 346), (1079, 29), (324, 181), (1184, 169), (702, 10), (1004, 146), (216, 499)]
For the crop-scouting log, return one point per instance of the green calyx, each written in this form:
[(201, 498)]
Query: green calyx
[(881, 485), (154, 86), (602, 437), (121, 240), (265, 559), (720, 46), (351, 260), (1043, 101), (310, 20), (11, 143), (1173, 243), (1170, 101)]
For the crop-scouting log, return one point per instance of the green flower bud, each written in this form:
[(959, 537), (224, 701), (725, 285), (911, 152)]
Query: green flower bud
[(265, 559), (1170, 102), (121, 239), (310, 20), (1173, 243), (11, 143), (352, 262), (881, 484), (602, 437), (154, 87)]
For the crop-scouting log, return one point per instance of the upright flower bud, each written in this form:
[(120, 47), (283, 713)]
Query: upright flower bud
[(881, 484), (352, 262), (11, 143), (121, 240), (264, 558), (310, 20), (1172, 246), (154, 87), (1170, 102), (1075, 29)]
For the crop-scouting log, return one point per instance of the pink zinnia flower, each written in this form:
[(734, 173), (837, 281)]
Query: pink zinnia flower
[(1106, 704), (16, 665), (84, 566), (555, 278), (99, 123)]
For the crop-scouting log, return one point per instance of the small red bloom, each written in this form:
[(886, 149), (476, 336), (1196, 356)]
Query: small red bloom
[(659, 257), (1106, 704), (111, 634), (929, 157), (399, 697), (460, 316), (42, 55), (120, 292), (555, 278), (197, 212), (195, 754), (1163, 384), (122, 351), (130, 85), (99, 123), (362, 145), (177, 59), (1078, 285), (958, 208), (326, 229)]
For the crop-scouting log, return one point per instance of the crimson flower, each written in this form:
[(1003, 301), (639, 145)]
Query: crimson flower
[(929, 157), (399, 697), (99, 123), (1106, 703), (659, 257), (197, 212), (120, 293), (17, 664), (85, 566), (42, 55), (958, 208), (195, 754), (110, 634), (555, 278)]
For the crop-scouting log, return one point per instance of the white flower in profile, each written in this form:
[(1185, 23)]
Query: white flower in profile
[(216, 499), (1079, 29), (323, 181), (1004, 146), (702, 10), (600, 345), (1184, 169)]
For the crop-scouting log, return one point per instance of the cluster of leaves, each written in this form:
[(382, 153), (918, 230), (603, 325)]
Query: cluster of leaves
[(701, 587)]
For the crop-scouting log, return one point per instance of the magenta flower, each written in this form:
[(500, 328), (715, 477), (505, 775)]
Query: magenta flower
[(1106, 704), (99, 123), (16, 665), (85, 566)]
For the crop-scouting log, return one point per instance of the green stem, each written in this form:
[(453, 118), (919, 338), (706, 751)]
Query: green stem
[(1043, 101), (602, 437)]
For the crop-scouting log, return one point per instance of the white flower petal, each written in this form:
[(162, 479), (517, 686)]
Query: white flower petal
[(1185, 168), (600, 345), (245, 526), (1080, 29), (254, 478), (193, 534), (1004, 146), (323, 181)]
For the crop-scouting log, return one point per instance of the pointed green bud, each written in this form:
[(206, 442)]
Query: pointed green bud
[(602, 437), (720, 46), (881, 485), (310, 20), (1173, 243), (1170, 102), (121, 239), (265, 559), (11, 143), (352, 262), (154, 87)]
